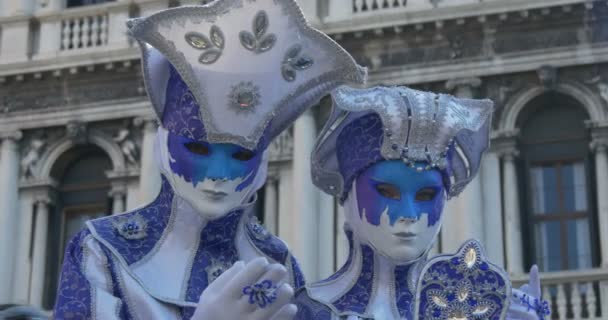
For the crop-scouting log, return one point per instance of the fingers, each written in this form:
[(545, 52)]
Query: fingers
[(247, 276), (288, 312), (534, 282), (275, 273), (225, 277), (284, 294)]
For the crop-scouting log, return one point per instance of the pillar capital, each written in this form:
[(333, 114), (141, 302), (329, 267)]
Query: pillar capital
[(14, 135), (468, 82), (118, 189), (147, 123), (42, 200), (599, 135), (504, 144)]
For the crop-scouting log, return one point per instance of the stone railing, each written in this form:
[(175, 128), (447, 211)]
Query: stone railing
[(84, 32), (574, 295), (353, 15), (84, 29)]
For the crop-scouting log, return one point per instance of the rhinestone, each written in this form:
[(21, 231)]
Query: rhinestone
[(419, 169), (470, 257), (245, 99)]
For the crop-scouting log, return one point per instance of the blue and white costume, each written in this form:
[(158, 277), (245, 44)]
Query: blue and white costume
[(224, 80), (393, 156)]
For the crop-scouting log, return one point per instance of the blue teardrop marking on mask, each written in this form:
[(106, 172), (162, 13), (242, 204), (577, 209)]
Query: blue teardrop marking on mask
[(219, 163), (409, 181)]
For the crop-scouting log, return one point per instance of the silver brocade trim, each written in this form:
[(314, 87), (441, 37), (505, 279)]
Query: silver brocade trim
[(418, 126), (345, 68), (168, 229)]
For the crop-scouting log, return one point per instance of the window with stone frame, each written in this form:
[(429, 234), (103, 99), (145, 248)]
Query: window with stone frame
[(82, 195), (559, 216)]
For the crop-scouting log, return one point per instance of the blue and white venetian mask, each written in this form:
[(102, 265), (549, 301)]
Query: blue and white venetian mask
[(225, 79), (396, 209), (394, 156)]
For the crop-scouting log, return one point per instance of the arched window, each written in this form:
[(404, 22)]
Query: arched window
[(557, 183), (82, 195), (80, 3)]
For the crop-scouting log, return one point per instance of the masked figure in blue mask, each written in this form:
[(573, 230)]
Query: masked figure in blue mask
[(224, 80), (393, 157)]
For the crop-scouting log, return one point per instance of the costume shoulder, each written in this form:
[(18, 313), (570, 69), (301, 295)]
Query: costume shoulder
[(132, 235), (266, 242), (274, 248), (309, 308)]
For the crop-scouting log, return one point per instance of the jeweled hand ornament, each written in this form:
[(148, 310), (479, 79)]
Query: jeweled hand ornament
[(232, 295)]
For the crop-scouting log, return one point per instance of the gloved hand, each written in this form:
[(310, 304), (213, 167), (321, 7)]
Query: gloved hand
[(526, 302), (248, 291)]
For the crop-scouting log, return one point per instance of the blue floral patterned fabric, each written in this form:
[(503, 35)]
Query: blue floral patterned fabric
[(269, 244), (359, 295), (216, 253), (182, 115), (298, 276), (463, 285), (74, 292), (404, 297), (309, 309), (117, 291), (156, 217), (359, 146)]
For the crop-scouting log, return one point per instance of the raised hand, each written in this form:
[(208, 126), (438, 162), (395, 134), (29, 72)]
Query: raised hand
[(248, 291), (526, 302)]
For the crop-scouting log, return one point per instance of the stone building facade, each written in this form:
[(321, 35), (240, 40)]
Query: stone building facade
[(77, 131)]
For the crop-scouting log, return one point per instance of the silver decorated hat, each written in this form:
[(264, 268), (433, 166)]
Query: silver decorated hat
[(249, 68), (391, 123)]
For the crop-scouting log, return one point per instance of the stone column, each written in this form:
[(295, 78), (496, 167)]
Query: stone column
[(599, 147), (305, 197), (326, 231), (463, 215), (118, 195), (149, 176), (286, 205), (39, 252), (506, 146), (270, 205), (23, 263), (9, 207), (492, 208)]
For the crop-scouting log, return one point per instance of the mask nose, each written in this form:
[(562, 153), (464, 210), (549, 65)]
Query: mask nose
[(218, 169), (408, 219), (408, 213)]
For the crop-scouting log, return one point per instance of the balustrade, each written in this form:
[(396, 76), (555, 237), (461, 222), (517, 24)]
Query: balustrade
[(574, 295), (83, 30)]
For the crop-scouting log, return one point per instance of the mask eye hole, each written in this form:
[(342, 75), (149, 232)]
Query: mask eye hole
[(198, 148), (243, 155), (389, 191), (426, 194)]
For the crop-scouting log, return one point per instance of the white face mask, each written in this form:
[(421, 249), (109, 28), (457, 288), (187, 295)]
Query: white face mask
[(211, 198), (402, 242)]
